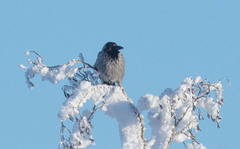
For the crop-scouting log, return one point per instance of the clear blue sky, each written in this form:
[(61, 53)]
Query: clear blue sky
[(164, 41)]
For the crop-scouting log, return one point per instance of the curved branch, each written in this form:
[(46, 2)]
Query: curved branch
[(140, 117)]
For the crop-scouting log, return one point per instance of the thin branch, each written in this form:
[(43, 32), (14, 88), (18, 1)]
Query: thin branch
[(140, 117), (172, 136), (35, 53), (94, 109), (184, 114), (183, 129), (174, 128), (192, 137), (77, 60), (225, 78)]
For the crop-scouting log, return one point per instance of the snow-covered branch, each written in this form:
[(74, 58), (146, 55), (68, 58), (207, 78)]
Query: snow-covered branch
[(173, 116), (54, 74)]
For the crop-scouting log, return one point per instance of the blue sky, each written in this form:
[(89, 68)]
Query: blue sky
[(164, 42)]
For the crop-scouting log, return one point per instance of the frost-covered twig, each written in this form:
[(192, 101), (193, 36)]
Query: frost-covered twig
[(177, 121), (64, 142), (192, 137)]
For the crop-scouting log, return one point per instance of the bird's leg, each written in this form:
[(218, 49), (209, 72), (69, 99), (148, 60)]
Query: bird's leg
[(119, 84)]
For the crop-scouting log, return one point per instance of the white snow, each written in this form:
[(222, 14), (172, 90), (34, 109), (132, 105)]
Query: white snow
[(80, 96), (198, 80), (181, 138), (210, 106), (173, 110), (52, 74), (171, 116), (116, 105), (22, 66), (27, 53), (195, 145), (81, 138)]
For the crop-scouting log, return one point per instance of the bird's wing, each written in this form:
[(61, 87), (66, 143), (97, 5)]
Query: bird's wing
[(99, 61), (121, 69)]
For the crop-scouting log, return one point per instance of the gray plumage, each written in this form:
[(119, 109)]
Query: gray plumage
[(110, 64)]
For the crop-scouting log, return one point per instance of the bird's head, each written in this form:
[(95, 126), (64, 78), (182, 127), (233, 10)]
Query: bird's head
[(111, 47)]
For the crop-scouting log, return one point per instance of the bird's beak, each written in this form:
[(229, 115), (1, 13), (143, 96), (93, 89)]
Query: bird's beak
[(118, 47)]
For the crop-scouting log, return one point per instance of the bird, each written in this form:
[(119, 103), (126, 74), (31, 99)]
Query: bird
[(110, 64)]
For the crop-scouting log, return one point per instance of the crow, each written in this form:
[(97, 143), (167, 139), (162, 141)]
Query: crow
[(110, 64)]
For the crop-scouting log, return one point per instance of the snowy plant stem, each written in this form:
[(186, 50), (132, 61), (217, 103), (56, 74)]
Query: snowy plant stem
[(192, 137), (174, 128), (140, 117)]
